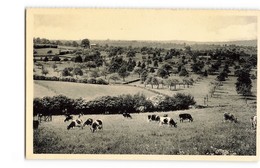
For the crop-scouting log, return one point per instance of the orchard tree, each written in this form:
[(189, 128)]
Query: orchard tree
[(114, 77), (138, 71), (45, 71), (78, 59), (122, 72), (85, 43), (244, 84), (77, 71)]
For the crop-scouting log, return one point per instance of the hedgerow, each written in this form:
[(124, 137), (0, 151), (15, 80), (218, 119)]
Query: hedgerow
[(109, 104)]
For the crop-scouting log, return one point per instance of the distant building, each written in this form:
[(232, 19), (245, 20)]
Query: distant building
[(93, 45), (204, 57)]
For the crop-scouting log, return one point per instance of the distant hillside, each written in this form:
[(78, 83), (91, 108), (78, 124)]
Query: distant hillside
[(170, 44)]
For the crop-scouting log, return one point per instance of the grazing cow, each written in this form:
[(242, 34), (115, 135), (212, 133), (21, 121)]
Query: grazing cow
[(154, 118), (168, 121), (36, 124), (94, 124), (127, 115), (185, 116), (165, 115), (230, 117), (253, 121), (76, 123), (97, 124), (68, 117)]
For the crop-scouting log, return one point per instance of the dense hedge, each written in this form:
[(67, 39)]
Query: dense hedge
[(109, 104), (99, 81)]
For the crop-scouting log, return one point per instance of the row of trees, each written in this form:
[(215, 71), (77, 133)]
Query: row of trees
[(56, 105)]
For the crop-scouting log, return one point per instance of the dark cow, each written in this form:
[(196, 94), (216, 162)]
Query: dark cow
[(230, 117), (127, 115), (36, 124), (94, 124), (185, 116), (253, 122), (165, 115), (68, 117), (168, 121), (154, 118)]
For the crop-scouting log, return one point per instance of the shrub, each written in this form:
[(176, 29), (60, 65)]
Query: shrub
[(101, 81), (92, 80)]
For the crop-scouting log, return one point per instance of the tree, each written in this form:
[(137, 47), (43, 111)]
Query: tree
[(66, 72), (85, 43), (45, 71), (114, 77), (183, 72), (90, 64), (78, 58), (94, 74), (75, 44), (144, 75), (152, 81), (172, 82), (162, 73), (155, 63), (56, 58), (138, 71), (77, 71), (222, 76), (122, 72), (244, 83), (104, 72)]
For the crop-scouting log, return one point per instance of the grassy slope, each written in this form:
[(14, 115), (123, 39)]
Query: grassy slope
[(86, 91), (137, 136)]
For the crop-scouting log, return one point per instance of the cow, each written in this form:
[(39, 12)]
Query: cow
[(75, 123), (127, 115), (68, 117), (185, 116), (36, 124), (230, 117), (253, 120), (154, 118), (94, 124), (168, 121), (165, 115)]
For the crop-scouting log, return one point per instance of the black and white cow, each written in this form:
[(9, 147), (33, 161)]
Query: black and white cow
[(127, 115), (168, 121), (253, 120), (94, 124), (68, 117), (154, 118), (75, 123), (185, 116), (230, 117)]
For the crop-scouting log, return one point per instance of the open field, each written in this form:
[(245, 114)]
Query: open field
[(207, 133), (86, 91)]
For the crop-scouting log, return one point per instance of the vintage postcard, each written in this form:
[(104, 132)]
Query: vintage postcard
[(141, 84)]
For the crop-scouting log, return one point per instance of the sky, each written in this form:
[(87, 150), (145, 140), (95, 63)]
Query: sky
[(157, 25)]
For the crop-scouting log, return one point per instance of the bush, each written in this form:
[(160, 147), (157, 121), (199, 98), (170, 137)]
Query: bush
[(101, 81), (92, 80)]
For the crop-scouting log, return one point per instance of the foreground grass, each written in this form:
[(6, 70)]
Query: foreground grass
[(137, 136)]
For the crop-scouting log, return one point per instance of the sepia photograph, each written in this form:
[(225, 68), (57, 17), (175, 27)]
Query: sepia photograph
[(141, 84)]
